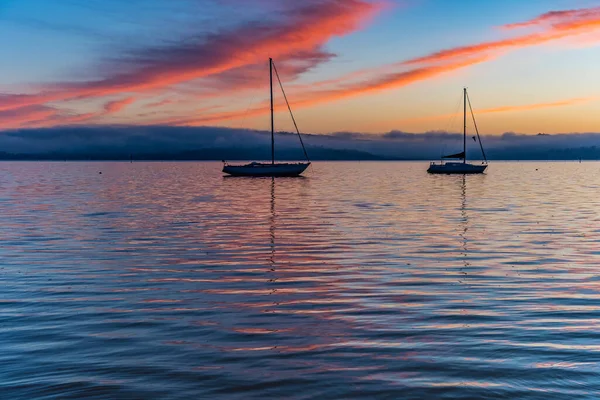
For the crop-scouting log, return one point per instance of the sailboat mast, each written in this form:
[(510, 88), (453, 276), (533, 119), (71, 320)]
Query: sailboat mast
[(465, 126), (272, 121)]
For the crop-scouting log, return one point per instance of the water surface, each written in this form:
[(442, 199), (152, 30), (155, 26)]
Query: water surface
[(361, 280)]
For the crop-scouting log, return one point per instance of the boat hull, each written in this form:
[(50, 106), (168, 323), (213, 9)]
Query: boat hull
[(456, 168), (266, 169)]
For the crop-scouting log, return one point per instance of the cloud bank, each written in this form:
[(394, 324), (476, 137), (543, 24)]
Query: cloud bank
[(167, 142)]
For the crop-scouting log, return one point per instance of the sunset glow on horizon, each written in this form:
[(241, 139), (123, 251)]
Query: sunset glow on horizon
[(347, 65)]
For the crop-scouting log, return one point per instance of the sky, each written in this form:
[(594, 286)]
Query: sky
[(369, 66)]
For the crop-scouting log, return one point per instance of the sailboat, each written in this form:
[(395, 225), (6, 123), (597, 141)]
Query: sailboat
[(454, 167), (271, 169)]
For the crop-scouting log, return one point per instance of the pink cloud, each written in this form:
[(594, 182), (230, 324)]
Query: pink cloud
[(296, 39), (115, 106), (301, 32), (230, 61), (160, 103), (564, 24), (557, 16), (313, 97)]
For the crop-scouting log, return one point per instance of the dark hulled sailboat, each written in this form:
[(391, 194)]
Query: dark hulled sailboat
[(272, 168), (454, 167)]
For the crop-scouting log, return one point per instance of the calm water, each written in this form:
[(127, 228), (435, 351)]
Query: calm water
[(362, 280)]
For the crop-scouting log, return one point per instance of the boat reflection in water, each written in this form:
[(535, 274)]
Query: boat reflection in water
[(279, 281), (464, 220)]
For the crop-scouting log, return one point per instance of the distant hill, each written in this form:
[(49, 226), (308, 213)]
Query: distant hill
[(230, 154), (583, 153), (217, 143)]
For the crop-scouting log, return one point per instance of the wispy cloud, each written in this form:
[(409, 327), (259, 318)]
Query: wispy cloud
[(160, 103), (232, 59), (314, 97), (301, 32), (537, 106), (296, 38), (41, 116), (505, 109), (61, 119), (558, 17), (564, 24), (555, 25), (17, 117), (115, 106)]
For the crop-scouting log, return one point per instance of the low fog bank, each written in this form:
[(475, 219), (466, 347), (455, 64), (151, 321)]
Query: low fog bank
[(213, 143)]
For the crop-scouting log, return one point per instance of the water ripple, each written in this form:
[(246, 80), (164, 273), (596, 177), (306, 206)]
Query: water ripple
[(362, 280)]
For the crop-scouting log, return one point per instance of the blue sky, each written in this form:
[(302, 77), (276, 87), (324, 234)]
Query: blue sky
[(77, 60)]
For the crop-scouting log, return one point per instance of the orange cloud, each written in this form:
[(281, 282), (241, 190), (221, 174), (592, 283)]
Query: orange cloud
[(554, 16), (310, 98), (217, 117), (160, 103), (61, 120), (298, 38), (298, 35), (511, 108), (38, 116), (16, 101), (388, 81), (23, 115), (305, 30), (528, 107), (565, 24), (488, 47), (115, 106), (55, 117)]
